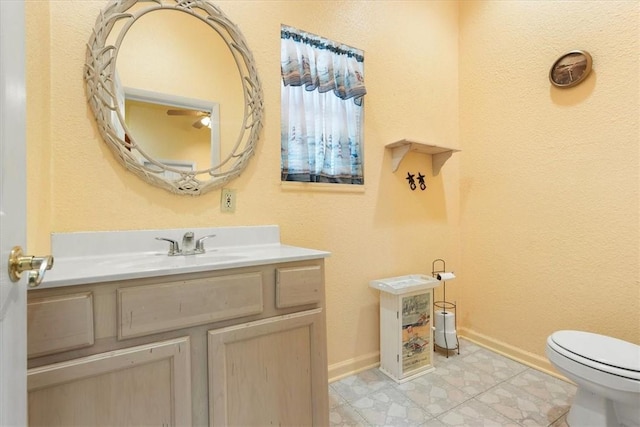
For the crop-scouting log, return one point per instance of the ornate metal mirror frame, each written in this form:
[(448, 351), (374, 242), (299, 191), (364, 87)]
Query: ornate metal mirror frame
[(100, 72)]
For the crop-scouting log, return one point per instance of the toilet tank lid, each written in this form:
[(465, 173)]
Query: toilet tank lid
[(600, 348)]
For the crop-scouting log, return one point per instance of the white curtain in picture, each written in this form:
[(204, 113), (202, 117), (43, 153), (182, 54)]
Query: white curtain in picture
[(322, 109)]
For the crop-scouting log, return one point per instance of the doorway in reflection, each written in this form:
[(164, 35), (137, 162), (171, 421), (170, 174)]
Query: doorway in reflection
[(174, 129)]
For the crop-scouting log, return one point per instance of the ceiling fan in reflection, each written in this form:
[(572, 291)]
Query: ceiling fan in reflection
[(204, 119)]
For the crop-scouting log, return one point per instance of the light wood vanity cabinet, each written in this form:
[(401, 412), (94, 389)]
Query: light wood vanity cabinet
[(243, 347), (269, 372), (143, 385)]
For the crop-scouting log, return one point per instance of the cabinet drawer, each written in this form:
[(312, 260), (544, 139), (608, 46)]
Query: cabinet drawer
[(144, 310), (298, 286), (61, 323)]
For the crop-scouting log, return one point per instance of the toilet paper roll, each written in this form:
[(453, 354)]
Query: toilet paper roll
[(446, 276), (445, 330), (447, 340), (445, 321)]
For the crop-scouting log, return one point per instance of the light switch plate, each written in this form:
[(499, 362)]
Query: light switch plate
[(228, 200)]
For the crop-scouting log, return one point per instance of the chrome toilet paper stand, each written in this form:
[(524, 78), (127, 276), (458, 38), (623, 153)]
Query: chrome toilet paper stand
[(445, 306)]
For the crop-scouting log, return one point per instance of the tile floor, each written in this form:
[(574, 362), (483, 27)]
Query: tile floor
[(475, 388)]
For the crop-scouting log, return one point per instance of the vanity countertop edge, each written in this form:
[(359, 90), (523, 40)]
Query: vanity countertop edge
[(71, 268)]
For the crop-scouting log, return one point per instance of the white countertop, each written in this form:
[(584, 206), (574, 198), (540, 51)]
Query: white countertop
[(92, 257)]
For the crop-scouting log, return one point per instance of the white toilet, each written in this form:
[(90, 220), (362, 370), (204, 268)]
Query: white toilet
[(607, 373)]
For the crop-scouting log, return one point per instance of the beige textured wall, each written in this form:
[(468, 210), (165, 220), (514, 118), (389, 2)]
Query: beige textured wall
[(538, 215), (39, 148), (411, 62), (549, 183)]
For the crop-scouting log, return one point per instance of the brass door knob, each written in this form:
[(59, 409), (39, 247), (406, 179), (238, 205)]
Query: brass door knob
[(36, 266)]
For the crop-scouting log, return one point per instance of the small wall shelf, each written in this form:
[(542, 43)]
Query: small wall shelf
[(399, 149)]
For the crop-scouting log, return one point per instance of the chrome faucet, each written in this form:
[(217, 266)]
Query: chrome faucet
[(189, 246), (174, 248), (200, 244)]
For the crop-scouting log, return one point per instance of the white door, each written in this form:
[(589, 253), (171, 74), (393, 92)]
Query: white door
[(13, 318)]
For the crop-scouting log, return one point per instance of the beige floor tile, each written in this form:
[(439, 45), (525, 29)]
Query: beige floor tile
[(475, 388), (520, 406)]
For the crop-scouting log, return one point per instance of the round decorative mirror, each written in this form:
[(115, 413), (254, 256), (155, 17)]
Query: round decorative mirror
[(175, 92)]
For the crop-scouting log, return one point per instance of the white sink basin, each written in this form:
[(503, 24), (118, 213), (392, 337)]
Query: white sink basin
[(153, 260), (93, 257)]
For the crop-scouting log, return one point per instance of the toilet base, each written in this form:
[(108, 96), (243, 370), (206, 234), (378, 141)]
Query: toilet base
[(591, 409)]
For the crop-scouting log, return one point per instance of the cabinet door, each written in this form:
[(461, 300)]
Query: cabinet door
[(416, 314), (144, 385), (270, 372)]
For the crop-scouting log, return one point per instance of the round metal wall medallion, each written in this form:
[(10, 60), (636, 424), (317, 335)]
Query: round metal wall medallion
[(570, 69)]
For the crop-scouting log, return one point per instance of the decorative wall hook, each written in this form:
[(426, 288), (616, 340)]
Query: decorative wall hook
[(423, 186), (412, 182)]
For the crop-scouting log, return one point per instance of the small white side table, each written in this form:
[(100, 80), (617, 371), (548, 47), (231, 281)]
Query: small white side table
[(406, 335)]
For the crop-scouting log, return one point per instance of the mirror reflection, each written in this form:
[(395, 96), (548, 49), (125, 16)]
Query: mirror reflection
[(178, 96), (170, 54), (171, 131)]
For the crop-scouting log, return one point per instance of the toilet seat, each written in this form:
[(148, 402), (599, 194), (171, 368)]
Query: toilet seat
[(599, 352)]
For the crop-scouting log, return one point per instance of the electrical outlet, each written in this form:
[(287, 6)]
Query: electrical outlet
[(228, 200)]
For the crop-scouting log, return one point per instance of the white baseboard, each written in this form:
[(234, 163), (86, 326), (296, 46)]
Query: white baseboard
[(348, 367), (532, 360)]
